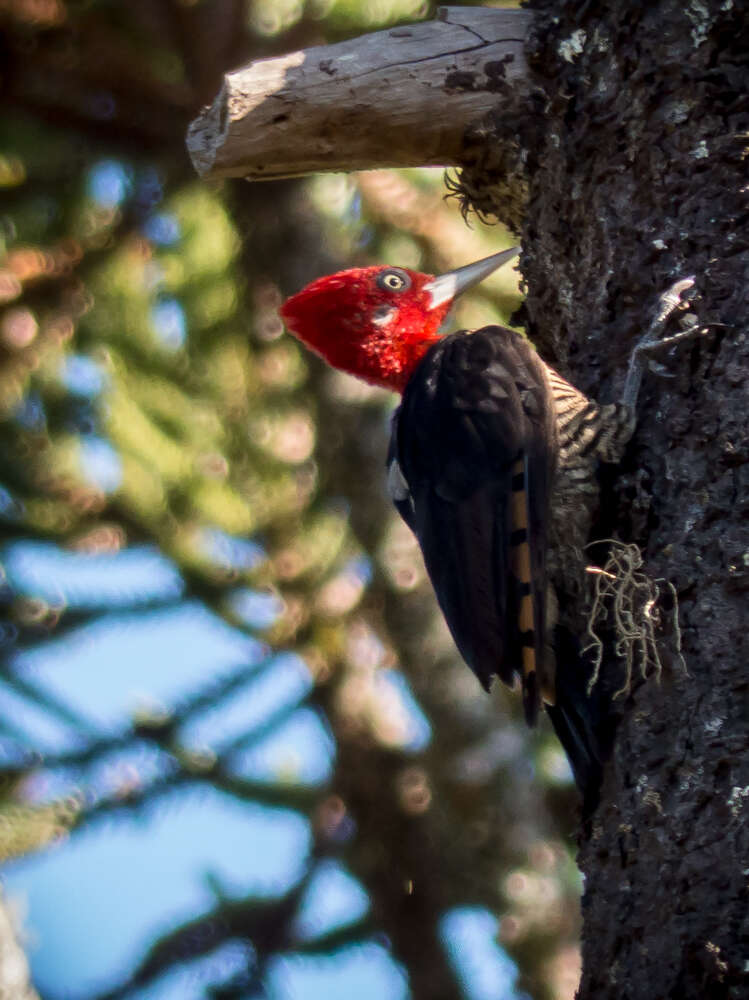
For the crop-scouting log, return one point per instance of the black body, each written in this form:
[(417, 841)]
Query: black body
[(472, 463)]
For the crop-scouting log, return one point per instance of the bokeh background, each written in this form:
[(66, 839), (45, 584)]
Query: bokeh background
[(239, 754)]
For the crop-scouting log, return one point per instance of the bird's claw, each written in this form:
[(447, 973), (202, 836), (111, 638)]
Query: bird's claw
[(656, 346), (652, 343), (671, 298)]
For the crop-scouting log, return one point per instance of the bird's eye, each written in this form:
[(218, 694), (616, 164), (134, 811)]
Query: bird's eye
[(393, 280)]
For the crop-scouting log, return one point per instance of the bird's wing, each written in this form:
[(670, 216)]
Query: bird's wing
[(471, 459)]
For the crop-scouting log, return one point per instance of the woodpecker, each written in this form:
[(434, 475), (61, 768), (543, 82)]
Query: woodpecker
[(492, 464)]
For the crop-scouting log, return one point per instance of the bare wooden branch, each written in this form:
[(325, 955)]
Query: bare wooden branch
[(402, 97)]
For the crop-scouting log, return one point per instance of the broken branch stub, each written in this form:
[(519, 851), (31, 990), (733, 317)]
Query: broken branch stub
[(401, 97)]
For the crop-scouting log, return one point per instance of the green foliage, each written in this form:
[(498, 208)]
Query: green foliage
[(148, 395)]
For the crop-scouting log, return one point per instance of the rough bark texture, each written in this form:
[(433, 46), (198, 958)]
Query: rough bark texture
[(638, 177), (402, 97)]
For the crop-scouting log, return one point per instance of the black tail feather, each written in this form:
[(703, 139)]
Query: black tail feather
[(584, 723)]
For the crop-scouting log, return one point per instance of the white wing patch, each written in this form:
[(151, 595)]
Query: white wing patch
[(397, 486)]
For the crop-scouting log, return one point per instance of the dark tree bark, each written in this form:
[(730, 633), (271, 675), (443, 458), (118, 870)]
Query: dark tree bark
[(638, 176)]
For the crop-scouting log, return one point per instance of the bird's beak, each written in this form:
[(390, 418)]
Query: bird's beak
[(446, 287)]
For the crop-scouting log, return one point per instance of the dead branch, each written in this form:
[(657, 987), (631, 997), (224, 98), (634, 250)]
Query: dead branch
[(401, 97)]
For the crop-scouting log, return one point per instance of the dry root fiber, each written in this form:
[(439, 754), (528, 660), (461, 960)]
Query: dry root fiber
[(626, 599)]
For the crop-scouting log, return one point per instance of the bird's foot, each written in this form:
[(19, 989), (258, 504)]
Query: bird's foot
[(652, 343)]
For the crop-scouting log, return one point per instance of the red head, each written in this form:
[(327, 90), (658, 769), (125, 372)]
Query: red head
[(377, 322)]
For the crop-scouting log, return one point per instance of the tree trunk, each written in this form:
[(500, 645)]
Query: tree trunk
[(638, 177)]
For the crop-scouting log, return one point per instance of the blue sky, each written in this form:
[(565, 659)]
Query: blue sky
[(95, 901)]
